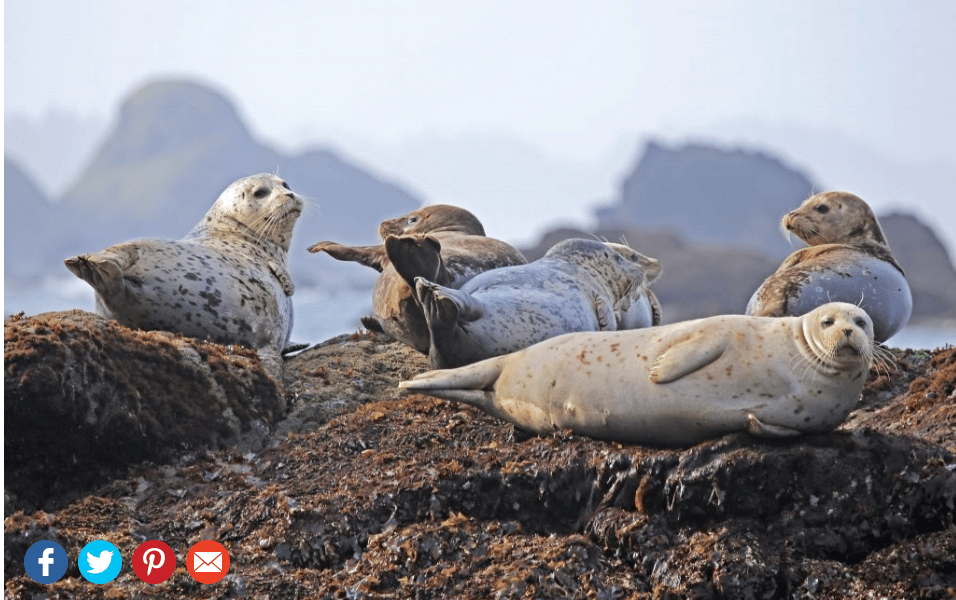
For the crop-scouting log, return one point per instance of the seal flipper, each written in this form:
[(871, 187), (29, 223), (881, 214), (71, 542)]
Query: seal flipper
[(758, 428), (370, 256), (473, 384), (445, 307), (683, 358), (415, 256), (104, 271), (285, 279)]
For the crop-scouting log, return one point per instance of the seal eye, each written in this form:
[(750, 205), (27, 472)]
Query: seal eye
[(412, 220), (828, 322), (286, 186), (822, 209), (861, 323), (260, 193)]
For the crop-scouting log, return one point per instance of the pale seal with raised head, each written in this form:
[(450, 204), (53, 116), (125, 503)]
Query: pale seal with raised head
[(848, 260), (226, 281), (678, 384), (578, 285), (442, 243)]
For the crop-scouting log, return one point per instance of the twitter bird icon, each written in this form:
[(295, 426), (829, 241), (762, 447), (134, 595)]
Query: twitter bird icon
[(100, 561)]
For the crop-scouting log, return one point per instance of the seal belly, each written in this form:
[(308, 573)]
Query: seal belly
[(874, 285)]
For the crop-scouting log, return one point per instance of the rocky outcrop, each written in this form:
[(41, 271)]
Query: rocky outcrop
[(697, 281), (363, 493), (85, 397), (929, 271), (174, 147), (709, 195)]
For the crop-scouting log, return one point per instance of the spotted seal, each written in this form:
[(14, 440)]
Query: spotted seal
[(848, 260), (578, 285), (677, 384), (226, 281), (441, 243)]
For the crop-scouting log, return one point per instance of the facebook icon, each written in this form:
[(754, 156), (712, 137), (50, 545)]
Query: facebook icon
[(45, 561)]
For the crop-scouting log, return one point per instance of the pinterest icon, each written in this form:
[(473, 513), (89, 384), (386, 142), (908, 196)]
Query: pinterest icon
[(154, 561)]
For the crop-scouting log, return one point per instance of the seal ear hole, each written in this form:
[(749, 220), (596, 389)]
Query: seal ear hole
[(822, 209), (260, 193)]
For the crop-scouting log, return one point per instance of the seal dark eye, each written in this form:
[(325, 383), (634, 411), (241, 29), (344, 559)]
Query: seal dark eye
[(412, 220), (822, 209), (261, 192), (286, 186), (861, 323), (828, 322)]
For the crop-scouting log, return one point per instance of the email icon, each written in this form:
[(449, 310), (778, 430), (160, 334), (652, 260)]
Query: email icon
[(208, 561)]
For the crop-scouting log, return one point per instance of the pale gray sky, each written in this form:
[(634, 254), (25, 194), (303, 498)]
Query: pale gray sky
[(570, 77)]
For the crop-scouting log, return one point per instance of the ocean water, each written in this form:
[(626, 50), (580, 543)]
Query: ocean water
[(322, 313)]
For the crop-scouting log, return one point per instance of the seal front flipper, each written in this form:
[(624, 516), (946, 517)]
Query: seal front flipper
[(415, 256), (370, 256), (758, 428), (104, 271), (685, 357), (285, 279)]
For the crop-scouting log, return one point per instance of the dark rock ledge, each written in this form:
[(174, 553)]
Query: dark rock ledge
[(331, 485)]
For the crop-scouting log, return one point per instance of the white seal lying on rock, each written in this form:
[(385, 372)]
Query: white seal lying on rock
[(227, 281), (578, 285), (679, 384), (848, 260)]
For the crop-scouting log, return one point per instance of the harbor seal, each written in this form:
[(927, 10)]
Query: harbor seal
[(678, 384), (441, 243), (226, 281), (848, 260), (578, 285)]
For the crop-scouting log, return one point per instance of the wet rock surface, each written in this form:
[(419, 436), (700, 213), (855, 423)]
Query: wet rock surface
[(359, 492)]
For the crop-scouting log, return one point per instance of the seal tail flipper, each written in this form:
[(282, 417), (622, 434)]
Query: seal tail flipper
[(415, 256), (103, 271), (472, 384), (445, 307)]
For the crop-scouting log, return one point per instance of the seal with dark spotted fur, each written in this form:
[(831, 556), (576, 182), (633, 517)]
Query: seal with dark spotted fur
[(441, 243), (578, 285), (226, 281), (677, 384), (848, 260)]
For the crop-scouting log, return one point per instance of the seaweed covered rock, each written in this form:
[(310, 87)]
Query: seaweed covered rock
[(85, 397), (368, 494)]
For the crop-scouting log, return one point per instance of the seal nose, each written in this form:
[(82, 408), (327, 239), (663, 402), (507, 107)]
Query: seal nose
[(847, 333)]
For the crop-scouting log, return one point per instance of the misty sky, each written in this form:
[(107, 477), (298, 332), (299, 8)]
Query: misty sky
[(570, 77), (531, 113)]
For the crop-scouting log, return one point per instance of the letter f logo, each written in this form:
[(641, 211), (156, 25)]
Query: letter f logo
[(46, 560)]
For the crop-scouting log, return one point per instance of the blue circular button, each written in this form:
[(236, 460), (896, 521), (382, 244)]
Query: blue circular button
[(99, 561), (45, 561)]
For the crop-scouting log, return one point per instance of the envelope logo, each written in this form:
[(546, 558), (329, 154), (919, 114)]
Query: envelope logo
[(208, 561)]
